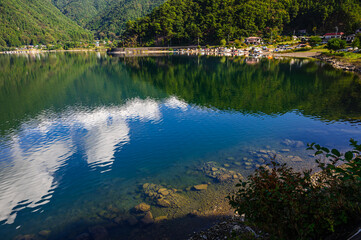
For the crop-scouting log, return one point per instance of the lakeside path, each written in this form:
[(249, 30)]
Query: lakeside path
[(307, 54)]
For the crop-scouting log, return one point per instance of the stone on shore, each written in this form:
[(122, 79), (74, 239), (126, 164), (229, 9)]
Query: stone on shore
[(142, 207)]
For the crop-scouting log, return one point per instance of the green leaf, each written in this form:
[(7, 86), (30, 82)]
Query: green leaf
[(336, 152), (348, 156), (325, 149)]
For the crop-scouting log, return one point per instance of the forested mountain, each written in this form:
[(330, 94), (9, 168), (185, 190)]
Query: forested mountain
[(81, 11), (107, 18), (112, 20), (36, 21), (186, 21)]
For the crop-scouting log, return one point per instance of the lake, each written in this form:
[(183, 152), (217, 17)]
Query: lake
[(84, 137)]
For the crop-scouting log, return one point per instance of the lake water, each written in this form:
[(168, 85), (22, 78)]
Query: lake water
[(81, 133)]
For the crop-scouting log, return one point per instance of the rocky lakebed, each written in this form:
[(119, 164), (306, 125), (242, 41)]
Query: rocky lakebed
[(167, 212)]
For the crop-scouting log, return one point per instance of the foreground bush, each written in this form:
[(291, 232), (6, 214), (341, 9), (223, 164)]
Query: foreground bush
[(293, 205)]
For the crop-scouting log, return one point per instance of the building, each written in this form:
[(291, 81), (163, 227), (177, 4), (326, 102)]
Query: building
[(302, 32), (329, 36), (350, 38), (253, 41), (358, 31)]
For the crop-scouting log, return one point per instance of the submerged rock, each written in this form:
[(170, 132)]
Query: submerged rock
[(223, 177), (284, 150), (44, 233), (83, 236), (163, 191), (98, 233), (201, 187), (296, 159), (148, 218), (131, 220), (293, 143), (163, 202), (26, 237), (142, 207), (160, 218)]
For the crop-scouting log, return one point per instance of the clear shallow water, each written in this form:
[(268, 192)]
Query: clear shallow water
[(81, 132)]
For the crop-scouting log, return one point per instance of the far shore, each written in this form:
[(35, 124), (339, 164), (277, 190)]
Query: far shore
[(34, 51)]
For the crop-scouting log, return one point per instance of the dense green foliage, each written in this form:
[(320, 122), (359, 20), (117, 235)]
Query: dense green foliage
[(293, 205), (336, 44), (314, 40), (33, 22), (187, 21), (357, 41), (107, 18), (112, 20), (81, 11)]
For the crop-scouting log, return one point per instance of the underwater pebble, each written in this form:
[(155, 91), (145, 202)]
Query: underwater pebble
[(26, 237), (160, 218), (200, 187), (44, 233), (163, 202), (284, 150), (142, 207), (148, 218)]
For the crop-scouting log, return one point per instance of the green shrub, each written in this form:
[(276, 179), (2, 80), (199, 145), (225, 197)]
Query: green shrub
[(336, 44), (223, 42), (294, 205), (314, 40)]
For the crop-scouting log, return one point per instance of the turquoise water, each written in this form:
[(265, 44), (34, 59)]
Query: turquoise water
[(81, 133)]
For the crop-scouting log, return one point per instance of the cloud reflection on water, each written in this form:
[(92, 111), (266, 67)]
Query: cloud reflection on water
[(43, 145)]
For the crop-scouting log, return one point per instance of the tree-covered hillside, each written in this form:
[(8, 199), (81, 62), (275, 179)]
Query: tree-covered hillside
[(112, 20), (36, 21), (81, 11), (186, 21)]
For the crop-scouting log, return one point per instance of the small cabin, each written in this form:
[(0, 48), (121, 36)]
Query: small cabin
[(329, 36), (350, 38), (253, 41)]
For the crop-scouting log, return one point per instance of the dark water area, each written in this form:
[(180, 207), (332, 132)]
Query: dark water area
[(84, 137)]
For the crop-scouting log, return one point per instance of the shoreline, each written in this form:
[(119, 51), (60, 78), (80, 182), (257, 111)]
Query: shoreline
[(51, 51)]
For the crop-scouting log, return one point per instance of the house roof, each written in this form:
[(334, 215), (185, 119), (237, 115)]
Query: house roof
[(253, 38), (334, 34)]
